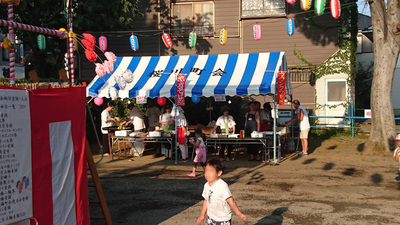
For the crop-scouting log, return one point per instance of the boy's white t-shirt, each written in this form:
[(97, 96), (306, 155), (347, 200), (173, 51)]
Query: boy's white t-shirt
[(218, 208)]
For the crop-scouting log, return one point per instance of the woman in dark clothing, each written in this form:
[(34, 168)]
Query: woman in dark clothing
[(252, 124)]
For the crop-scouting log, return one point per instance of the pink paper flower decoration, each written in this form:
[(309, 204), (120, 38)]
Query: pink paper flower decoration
[(110, 57), (100, 70), (108, 66), (90, 55)]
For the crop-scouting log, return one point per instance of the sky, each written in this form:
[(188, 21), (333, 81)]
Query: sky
[(362, 9)]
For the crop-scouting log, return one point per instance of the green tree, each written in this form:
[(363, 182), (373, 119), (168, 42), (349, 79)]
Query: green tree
[(88, 15)]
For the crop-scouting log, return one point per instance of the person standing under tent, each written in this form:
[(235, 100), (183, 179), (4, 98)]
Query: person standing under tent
[(167, 122), (267, 117), (252, 123), (107, 120), (301, 118), (152, 115), (227, 125), (137, 119), (182, 133)]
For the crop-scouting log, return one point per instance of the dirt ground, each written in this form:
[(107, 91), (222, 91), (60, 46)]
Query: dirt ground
[(336, 184)]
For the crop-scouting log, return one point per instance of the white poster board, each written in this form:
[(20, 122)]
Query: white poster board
[(367, 113), (15, 157)]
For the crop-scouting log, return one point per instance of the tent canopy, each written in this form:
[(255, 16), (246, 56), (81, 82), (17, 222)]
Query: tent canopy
[(206, 75)]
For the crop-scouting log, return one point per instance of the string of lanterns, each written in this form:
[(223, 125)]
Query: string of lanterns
[(319, 6)]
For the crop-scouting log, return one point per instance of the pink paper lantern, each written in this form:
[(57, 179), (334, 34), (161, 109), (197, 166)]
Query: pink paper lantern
[(257, 31), (98, 101), (103, 43)]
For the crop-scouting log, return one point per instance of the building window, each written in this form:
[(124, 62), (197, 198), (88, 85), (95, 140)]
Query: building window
[(197, 16), (336, 91), (263, 8)]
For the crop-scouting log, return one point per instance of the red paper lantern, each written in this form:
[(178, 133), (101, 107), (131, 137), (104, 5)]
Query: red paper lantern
[(161, 101), (167, 40)]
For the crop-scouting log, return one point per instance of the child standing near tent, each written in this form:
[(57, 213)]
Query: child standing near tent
[(396, 154), (200, 152), (218, 201)]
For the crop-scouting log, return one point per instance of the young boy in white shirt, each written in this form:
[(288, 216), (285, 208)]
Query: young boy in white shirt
[(218, 201)]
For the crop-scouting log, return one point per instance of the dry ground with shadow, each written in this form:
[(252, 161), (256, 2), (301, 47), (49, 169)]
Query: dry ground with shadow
[(336, 184)]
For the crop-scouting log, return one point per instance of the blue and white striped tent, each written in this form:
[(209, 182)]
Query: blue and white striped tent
[(206, 75)]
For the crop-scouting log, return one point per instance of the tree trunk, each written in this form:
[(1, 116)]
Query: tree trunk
[(386, 51)]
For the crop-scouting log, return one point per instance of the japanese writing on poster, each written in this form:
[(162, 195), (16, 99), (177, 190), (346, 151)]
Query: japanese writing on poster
[(281, 85), (15, 157), (180, 90), (220, 98), (141, 100)]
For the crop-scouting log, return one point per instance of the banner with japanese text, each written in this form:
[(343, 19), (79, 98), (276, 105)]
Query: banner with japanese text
[(180, 90), (43, 162), (15, 157), (281, 85)]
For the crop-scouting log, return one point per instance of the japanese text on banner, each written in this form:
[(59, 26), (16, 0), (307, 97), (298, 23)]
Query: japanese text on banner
[(281, 85), (180, 90), (15, 157)]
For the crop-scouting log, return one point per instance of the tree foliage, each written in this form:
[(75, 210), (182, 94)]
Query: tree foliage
[(88, 15)]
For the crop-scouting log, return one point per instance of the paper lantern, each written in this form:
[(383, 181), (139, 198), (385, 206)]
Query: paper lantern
[(290, 27), (134, 42), (335, 8), (195, 99), (103, 43), (305, 4), (128, 76), (167, 40), (192, 39), (291, 1), (41, 42), (257, 31), (319, 7), (98, 101), (222, 36), (161, 101)]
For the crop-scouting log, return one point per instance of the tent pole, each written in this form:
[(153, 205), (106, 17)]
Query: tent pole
[(275, 126), (176, 136), (95, 131)]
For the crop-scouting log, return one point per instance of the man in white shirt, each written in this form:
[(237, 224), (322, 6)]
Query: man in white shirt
[(106, 121), (152, 114), (227, 125), (137, 119), (302, 119)]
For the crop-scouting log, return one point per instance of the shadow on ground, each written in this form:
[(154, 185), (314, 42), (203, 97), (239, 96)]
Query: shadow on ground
[(275, 218)]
